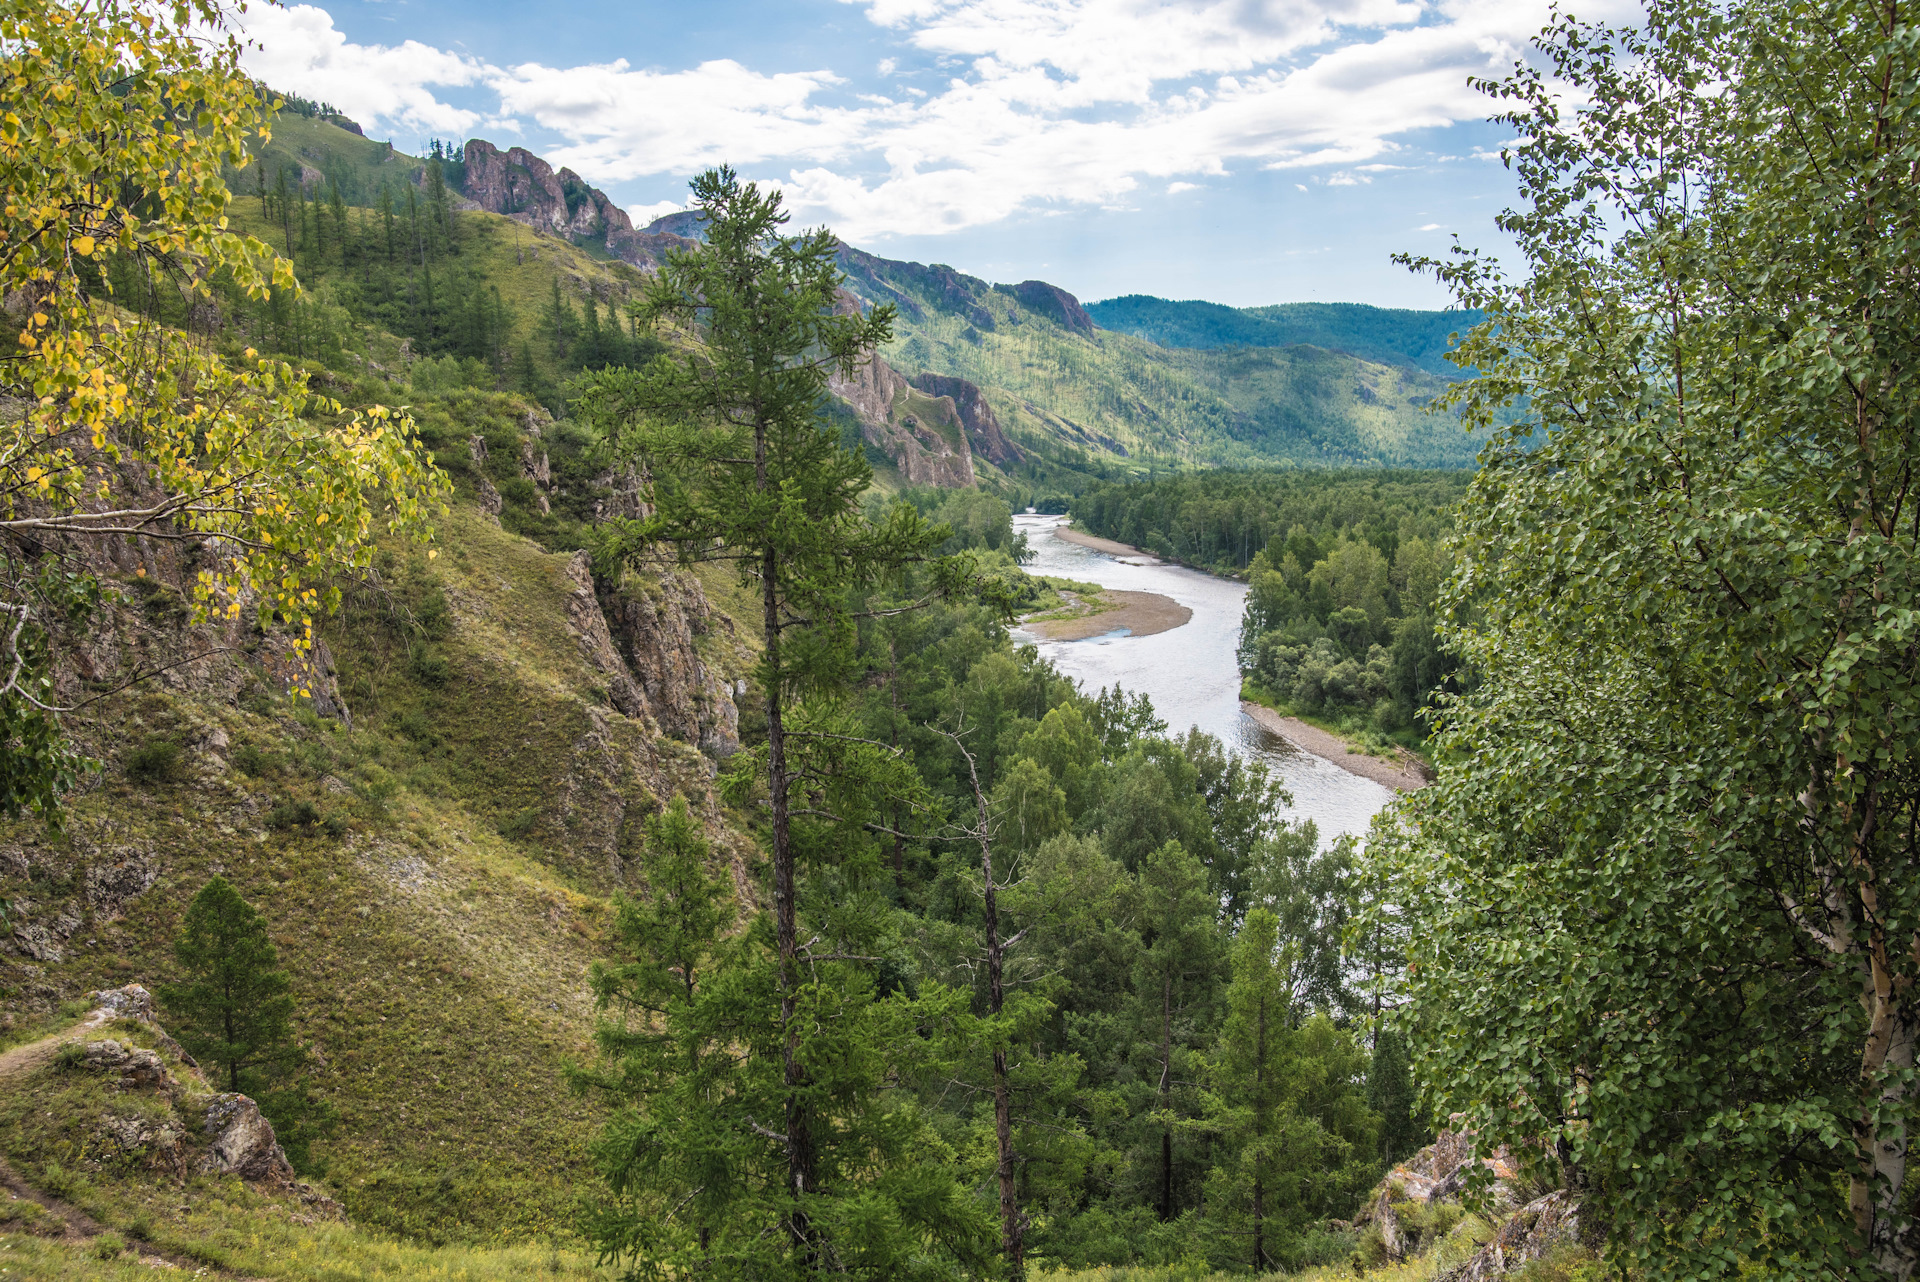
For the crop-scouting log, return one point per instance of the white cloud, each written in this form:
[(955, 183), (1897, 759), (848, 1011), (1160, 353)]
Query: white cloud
[(298, 50), (1046, 105), (1174, 189), (1429, 227), (644, 214), (623, 123)]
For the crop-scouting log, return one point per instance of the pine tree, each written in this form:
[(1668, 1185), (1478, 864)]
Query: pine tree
[(233, 1009), (748, 470), (1247, 1070)]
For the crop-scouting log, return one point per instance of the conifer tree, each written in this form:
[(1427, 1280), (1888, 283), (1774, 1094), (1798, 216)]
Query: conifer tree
[(747, 469), (233, 1009), (1176, 973), (1248, 1066)]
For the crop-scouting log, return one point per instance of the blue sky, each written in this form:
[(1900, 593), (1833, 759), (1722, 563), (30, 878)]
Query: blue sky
[(1243, 151)]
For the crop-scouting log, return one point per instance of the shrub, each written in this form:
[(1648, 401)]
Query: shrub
[(293, 814), (109, 1246), (430, 667), (156, 761), (255, 761)]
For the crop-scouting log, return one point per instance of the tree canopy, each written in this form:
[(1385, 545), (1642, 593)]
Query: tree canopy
[(1661, 908), (115, 123)]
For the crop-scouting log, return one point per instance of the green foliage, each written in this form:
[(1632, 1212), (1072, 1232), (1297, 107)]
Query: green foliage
[(1393, 336), (156, 761), (1343, 570), (294, 813), (233, 1008), (1658, 911)]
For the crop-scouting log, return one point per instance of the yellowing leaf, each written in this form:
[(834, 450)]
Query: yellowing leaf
[(83, 246)]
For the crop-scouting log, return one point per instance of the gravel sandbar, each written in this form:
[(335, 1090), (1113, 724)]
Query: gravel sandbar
[(1403, 776), (1141, 613)]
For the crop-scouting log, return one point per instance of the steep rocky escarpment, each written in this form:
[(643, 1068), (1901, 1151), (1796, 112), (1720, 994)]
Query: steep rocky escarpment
[(975, 414), (923, 436), (526, 188)]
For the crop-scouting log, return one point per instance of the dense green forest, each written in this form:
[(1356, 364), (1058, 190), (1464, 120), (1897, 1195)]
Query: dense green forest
[(1343, 570), (608, 837), (1393, 336)]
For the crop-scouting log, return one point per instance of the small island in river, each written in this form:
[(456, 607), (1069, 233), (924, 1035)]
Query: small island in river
[(1092, 614)]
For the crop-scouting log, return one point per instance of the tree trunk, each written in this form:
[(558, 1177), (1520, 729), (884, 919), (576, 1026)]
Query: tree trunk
[(1166, 1091), (1259, 1134), (800, 1151), (1012, 1223)]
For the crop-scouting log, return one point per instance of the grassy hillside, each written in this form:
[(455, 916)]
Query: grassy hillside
[(437, 872), (1393, 336), (1085, 397)]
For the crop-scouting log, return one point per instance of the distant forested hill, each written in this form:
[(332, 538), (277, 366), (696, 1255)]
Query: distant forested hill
[(1394, 336), (532, 285), (1068, 391)]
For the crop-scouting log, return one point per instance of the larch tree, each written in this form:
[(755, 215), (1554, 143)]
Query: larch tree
[(744, 468)]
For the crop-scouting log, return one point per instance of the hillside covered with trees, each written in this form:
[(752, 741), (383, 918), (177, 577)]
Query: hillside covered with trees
[(491, 786)]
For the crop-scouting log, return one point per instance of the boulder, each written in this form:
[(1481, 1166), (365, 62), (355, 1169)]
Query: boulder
[(136, 1066), (1526, 1235), (242, 1142)]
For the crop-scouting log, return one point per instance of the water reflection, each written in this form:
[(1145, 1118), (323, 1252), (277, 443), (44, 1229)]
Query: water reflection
[(1190, 672)]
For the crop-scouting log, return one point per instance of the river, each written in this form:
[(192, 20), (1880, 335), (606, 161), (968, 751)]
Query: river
[(1190, 672)]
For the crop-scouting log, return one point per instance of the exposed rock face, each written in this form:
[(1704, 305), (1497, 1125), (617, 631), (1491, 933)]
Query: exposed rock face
[(656, 627), (136, 1066), (524, 187), (589, 625), (131, 1002), (905, 427), (242, 1143), (1526, 1235), (1440, 1174), (1055, 303), (983, 429), (642, 638)]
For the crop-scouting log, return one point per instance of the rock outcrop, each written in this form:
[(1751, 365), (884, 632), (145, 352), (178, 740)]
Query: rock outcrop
[(923, 436), (1424, 1197), (983, 429), (1054, 303), (236, 1138), (240, 1141), (526, 188), (644, 637)]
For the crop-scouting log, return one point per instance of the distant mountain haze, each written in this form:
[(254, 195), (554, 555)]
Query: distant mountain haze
[(1396, 336)]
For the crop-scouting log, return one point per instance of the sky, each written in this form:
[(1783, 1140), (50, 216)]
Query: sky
[(1242, 151)]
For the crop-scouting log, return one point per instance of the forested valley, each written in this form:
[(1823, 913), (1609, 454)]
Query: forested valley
[(517, 761)]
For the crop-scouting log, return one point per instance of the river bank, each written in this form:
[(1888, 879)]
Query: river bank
[(1138, 614), (1098, 544), (1402, 776), (1191, 673)]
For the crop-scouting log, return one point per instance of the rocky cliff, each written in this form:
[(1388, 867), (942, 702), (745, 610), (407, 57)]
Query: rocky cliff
[(526, 188), (975, 414), (924, 436)]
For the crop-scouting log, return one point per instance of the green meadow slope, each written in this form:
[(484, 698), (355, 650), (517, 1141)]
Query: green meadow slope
[(435, 853)]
